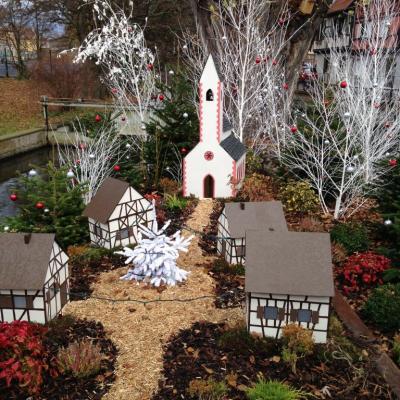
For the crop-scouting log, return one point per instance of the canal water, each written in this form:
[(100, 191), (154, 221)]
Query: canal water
[(9, 169)]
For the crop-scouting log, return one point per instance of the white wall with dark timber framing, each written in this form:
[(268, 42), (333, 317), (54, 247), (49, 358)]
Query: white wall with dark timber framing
[(122, 226), (39, 305), (232, 249), (287, 311)]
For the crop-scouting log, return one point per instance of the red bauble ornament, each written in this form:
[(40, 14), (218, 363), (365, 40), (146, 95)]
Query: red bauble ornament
[(123, 119), (281, 21), (343, 84), (208, 155), (161, 97), (82, 146), (392, 162), (387, 125), (293, 129), (39, 205), (98, 118), (150, 67), (114, 91), (274, 62), (13, 197), (183, 150), (285, 86), (258, 60), (372, 52), (77, 162), (117, 168)]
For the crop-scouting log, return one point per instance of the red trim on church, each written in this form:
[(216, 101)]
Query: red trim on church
[(201, 111), (233, 183), (184, 177), (219, 112)]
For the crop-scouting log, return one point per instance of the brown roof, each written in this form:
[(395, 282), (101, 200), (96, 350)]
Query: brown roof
[(340, 5), (105, 200), (295, 263), (24, 266), (256, 215)]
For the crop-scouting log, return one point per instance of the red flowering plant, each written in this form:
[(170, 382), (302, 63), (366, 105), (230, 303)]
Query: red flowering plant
[(362, 271), (23, 357)]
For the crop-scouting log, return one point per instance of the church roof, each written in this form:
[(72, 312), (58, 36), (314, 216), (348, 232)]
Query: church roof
[(216, 64), (226, 124), (233, 146)]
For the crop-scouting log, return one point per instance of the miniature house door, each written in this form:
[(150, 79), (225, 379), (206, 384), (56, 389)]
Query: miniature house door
[(208, 187)]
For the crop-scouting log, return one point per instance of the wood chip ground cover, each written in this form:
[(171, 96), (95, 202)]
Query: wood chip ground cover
[(139, 331)]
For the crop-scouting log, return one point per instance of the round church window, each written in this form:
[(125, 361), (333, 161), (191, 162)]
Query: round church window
[(208, 155)]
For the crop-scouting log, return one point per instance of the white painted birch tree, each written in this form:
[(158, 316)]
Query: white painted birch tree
[(343, 142)]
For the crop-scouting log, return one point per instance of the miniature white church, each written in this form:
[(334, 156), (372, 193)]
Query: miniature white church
[(216, 165)]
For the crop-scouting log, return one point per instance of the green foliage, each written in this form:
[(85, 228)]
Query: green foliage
[(169, 131), (63, 201), (81, 359), (383, 307), (222, 266), (174, 203), (396, 349), (209, 389), (297, 343), (298, 196), (353, 237), (253, 163), (85, 254), (274, 390), (242, 342), (392, 275)]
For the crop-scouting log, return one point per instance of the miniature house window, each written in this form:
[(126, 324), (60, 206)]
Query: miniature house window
[(6, 301), (304, 316), (98, 231), (209, 95), (53, 290), (123, 234), (240, 251), (271, 313), (19, 301)]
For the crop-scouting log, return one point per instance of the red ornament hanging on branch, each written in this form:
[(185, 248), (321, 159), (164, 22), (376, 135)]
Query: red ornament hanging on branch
[(343, 84), (392, 162), (117, 168), (274, 62), (13, 197), (285, 86), (161, 97), (293, 129), (150, 67), (258, 60), (39, 205), (98, 118), (183, 150), (114, 90)]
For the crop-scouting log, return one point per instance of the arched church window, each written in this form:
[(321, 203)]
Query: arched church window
[(209, 95)]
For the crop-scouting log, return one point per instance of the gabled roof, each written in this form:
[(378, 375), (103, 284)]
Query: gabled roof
[(226, 124), (340, 5), (105, 200), (215, 61), (233, 146), (24, 266), (294, 263), (255, 215)]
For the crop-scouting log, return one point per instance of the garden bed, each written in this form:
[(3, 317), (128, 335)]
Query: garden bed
[(62, 332), (210, 351), (208, 241)]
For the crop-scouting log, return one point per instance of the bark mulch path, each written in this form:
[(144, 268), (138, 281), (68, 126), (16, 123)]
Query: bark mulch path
[(208, 351), (62, 332), (140, 331)]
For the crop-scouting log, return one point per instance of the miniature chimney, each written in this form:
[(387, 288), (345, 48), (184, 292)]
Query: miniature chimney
[(27, 238), (242, 206)]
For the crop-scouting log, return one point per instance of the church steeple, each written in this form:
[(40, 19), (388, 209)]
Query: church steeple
[(211, 103)]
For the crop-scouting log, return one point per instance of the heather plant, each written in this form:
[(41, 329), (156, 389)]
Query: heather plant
[(23, 356), (169, 186), (209, 389), (383, 307), (297, 343), (299, 197), (174, 203), (311, 224), (81, 359), (362, 270), (274, 390)]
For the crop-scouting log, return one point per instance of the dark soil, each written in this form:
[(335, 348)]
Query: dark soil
[(208, 242), (205, 351), (63, 331), (84, 272)]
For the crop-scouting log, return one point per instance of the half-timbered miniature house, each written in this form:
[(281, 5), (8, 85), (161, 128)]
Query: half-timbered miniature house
[(215, 167), (33, 277), (289, 279), (236, 218), (115, 212)]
